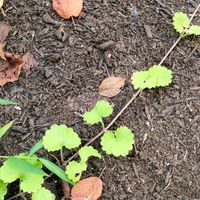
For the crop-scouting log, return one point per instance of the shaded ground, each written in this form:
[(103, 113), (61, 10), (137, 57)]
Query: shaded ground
[(166, 122)]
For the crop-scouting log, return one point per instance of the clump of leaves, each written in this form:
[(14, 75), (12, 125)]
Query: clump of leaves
[(75, 169), (155, 76), (101, 110), (181, 23), (27, 170)]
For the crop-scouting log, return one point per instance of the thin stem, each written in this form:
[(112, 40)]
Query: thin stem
[(194, 13), (61, 155), (170, 50), (109, 125)]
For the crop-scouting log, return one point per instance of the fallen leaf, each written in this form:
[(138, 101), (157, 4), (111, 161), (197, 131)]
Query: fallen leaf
[(111, 86), (10, 68), (87, 189), (68, 8), (29, 61), (2, 52), (4, 30)]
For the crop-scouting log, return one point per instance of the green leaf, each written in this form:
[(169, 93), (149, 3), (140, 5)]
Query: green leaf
[(28, 171), (36, 148), (92, 117), (193, 30), (56, 170), (101, 109), (43, 194), (3, 189), (118, 143), (180, 22), (59, 136), (88, 151), (7, 102), (155, 76), (75, 169), (5, 128)]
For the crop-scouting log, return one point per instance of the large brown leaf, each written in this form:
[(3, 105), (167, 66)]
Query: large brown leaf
[(87, 189), (10, 68), (4, 30), (111, 86), (68, 8)]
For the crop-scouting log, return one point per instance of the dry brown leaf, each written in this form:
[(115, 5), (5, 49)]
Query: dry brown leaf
[(29, 61), (111, 86), (10, 68), (87, 189), (68, 8), (2, 52), (4, 30)]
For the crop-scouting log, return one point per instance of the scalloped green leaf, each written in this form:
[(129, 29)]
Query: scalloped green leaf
[(27, 170), (75, 169), (92, 117), (156, 76), (101, 109), (88, 151), (59, 136), (193, 30), (180, 22), (3, 189), (43, 194), (118, 143)]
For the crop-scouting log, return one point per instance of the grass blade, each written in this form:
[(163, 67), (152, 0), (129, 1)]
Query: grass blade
[(5, 128), (56, 170), (7, 102), (36, 148)]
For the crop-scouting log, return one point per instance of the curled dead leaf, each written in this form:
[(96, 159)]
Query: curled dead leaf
[(111, 86), (4, 30), (87, 189), (10, 68), (68, 8), (29, 61)]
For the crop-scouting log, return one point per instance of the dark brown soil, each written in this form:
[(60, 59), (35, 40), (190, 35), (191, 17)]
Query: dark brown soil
[(166, 121)]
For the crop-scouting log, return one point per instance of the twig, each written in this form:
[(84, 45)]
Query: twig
[(134, 96), (194, 13), (109, 125)]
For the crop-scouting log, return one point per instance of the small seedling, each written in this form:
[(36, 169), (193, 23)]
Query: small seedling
[(181, 23)]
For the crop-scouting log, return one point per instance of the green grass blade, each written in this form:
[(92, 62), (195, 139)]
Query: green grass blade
[(5, 128), (7, 102), (26, 166), (36, 148), (56, 170)]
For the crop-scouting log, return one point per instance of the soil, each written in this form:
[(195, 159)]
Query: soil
[(64, 84)]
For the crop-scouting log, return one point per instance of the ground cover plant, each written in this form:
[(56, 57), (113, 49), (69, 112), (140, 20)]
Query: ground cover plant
[(34, 166)]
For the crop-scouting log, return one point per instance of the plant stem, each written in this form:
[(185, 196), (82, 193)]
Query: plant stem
[(109, 125), (135, 95), (170, 50), (61, 155), (194, 13)]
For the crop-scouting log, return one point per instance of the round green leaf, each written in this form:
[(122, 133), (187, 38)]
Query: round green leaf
[(103, 108), (118, 143), (88, 151), (92, 117), (75, 169), (43, 194), (59, 136)]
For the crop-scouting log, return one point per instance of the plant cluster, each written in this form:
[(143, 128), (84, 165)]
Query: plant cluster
[(28, 168)]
